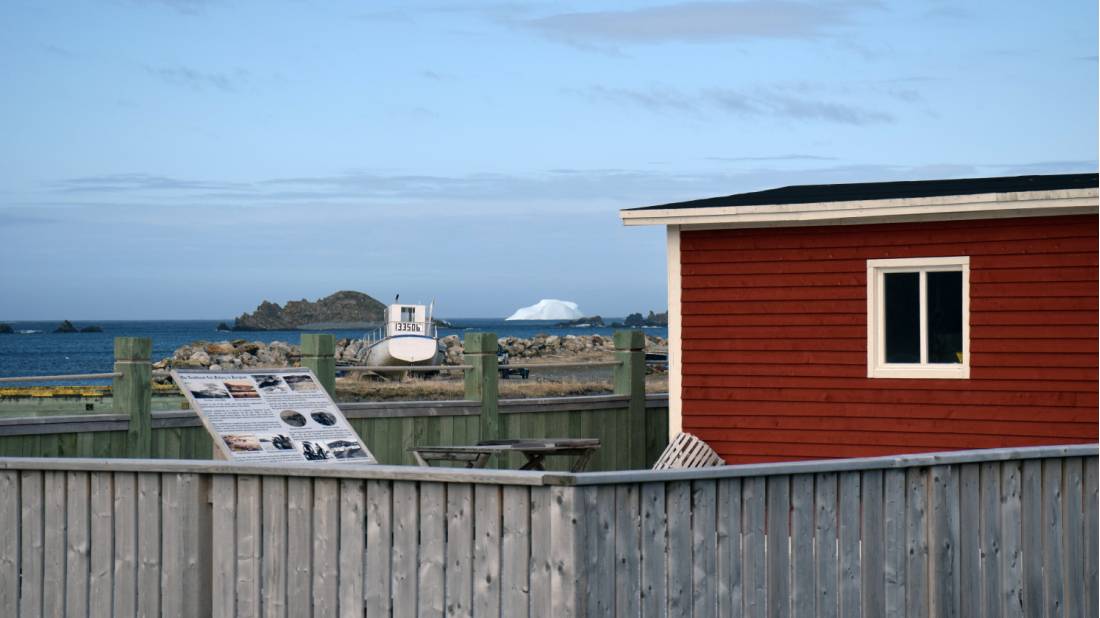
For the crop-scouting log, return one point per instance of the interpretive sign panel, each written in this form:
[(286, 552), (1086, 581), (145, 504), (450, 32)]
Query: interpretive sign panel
[(282, 416)]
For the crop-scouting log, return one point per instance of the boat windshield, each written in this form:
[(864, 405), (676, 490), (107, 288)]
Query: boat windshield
[(408, 314)]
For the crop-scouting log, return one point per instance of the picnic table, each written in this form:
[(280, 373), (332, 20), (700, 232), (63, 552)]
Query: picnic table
[(535, 450)]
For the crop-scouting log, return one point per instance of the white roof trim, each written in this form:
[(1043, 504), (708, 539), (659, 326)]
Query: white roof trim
[(940, 208)]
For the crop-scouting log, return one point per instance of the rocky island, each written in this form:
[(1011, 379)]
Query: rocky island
[(68, 327), (344, 309), (6, 329)]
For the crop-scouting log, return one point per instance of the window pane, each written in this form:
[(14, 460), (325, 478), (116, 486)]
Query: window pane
[(945, 317), (902, 317)]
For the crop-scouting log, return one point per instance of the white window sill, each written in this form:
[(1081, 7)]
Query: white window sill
[(915, 371)]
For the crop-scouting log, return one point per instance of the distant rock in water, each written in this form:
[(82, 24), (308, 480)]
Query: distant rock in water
[(66, 327), (345, 307), (223, 326), (548, 309), (6, 329), (92, 329), (594, 320)]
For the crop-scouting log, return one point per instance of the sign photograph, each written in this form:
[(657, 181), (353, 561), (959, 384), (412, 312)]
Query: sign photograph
[(272, 417)]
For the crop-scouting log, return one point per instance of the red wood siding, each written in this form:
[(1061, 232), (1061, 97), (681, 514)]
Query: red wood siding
[(775, 340)]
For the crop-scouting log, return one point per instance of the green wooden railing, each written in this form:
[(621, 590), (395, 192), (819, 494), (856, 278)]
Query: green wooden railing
[(632, 428)]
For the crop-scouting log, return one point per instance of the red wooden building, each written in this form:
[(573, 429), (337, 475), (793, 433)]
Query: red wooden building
[(867, 319)]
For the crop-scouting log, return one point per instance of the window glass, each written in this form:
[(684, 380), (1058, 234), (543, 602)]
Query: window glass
[(408, 314), (944, 317), (902, 317)]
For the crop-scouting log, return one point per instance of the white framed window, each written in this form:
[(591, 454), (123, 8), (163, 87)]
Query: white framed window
[(918, 318)]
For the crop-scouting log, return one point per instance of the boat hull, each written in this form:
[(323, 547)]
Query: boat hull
[(404, 350)]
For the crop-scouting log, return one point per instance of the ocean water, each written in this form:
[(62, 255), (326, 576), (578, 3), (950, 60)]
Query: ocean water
[(37, 350)]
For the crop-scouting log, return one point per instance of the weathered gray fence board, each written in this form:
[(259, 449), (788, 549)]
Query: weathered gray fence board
[(299, 547), (353, 538), (487, 518), (541, 563), (460, 534), (149, 544), (377, 578), (1074, 536), (992, 576), (802, 545), (628, 551), (778, 558), (944, 542), (326, 538), (893, 529), (566, 578), (729, 548), (1092, 544), (248, 544), (704, 547), (678, 504), (599, 548), (53, 564), (916, 541), (1012, 558), (754, 560), (78, 544), (224, 556), (10, 558), (406, 511), (31, 543), (102, 557), (273, 570), (433, 535), (654, 556), (872, 545), (970, 538), (515, 548), (1053, 553), (826, 559), (1031, 499), (125, 536), (848, 588)]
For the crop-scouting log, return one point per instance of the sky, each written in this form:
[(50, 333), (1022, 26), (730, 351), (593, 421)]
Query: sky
[(190, 158)]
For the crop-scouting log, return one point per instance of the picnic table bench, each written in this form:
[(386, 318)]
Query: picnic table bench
[(535, 450)]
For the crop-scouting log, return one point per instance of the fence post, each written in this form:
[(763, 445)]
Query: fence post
[(319, 354), (480, 350), (132, 392), (630, 380)]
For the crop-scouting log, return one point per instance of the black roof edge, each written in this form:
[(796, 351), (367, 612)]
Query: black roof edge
[(805, 194)]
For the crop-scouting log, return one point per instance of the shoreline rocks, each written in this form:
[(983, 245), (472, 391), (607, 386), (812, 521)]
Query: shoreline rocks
[(241, 354)]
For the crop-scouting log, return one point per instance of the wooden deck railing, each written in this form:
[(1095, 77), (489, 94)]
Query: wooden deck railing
[(1009, 532)]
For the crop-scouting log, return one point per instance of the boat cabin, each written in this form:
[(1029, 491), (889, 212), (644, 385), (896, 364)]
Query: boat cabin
[(407, 320), (868, 319)]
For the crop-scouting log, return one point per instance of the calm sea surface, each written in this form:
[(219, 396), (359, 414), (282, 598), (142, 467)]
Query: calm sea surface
[(37, 350)]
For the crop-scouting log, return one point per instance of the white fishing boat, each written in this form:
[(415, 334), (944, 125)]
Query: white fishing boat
[(408, 337)]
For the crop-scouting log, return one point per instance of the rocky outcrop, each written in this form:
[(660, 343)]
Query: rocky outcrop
[(222, 326), (344, 307), (6, 329), (68, 327), (594, 320), (635, 320)]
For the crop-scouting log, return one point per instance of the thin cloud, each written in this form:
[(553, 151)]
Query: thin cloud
[(560, 190), (775, 102), (696, 22), (194, 79)]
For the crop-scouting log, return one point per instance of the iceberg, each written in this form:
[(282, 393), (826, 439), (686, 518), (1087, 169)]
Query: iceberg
[(548, 309)]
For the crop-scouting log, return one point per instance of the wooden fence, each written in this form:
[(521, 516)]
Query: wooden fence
[(1004, 532), (632, 428)]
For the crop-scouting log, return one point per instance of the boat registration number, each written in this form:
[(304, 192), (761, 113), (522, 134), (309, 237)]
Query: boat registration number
[(407, 327)]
